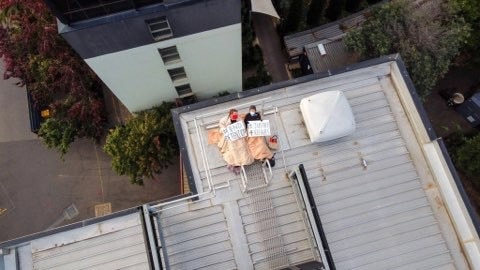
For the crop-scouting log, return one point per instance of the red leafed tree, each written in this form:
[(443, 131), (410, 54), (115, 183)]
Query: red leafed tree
[(34, 52)]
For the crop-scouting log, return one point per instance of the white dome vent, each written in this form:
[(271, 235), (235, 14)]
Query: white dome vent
[(327, 116)]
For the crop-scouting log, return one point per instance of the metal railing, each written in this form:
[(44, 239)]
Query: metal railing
[(299, 177), (208, 174), (260, 203), (267, 175)]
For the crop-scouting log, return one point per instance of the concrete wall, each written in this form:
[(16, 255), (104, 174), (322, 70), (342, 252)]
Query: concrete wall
[(139, 78)]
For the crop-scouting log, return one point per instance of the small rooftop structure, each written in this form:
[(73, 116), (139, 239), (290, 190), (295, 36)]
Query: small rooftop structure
[(327, 116), (384, 197), (324, 45)]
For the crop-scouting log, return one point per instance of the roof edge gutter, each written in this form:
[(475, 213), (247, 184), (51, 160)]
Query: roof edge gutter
[(151, 243), (300, 177), (454, 204)]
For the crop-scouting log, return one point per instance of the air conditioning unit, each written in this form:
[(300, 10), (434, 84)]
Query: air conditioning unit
[(327, 116)]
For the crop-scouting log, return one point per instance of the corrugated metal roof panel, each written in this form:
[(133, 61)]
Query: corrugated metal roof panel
[(115, 244), (374, 217), (199, 235), (197, 239), (336, 56), (295, 44)]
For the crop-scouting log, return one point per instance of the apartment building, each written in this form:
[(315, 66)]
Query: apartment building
[(149, 51)]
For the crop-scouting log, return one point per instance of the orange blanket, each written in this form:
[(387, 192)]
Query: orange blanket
[(214, 136), (259, 148), (235, 153)]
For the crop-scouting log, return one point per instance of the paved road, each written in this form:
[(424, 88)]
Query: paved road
[(269, 42), (36, 186)]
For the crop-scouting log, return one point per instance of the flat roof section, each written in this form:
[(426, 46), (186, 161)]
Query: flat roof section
[(381, 204), (114, 243)]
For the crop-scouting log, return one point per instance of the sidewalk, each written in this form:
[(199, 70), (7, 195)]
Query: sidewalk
[(269, 42)]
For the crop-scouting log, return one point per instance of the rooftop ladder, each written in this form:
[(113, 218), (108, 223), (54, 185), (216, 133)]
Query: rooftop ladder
[(257, 175), (255, 181)]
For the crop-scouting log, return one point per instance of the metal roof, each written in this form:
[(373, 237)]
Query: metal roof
[(382, 198), (330, 35), (233, 230), (115, 243), (379, 204), (295, 43), (326, 33), (336, 56)]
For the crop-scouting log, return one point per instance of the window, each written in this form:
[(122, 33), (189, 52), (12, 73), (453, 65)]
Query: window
[(160, 28), (177, 74), (184, 90), (169, 55)]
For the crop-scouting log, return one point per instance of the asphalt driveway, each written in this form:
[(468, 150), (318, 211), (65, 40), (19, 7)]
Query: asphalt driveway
[(36, 186)]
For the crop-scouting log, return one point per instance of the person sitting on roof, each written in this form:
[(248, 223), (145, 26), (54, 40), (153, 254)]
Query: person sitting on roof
[(257, 145), (234, 152), (253, 115)]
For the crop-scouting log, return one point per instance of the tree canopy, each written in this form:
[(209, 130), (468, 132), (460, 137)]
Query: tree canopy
[(145, 145), (294, 17), (468, 155), (57, 134), (428, 36), (316, 11), (334, 9), (470, 11), (54, 74)]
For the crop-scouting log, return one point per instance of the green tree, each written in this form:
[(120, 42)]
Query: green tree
[(427, 37), (334, 9), (352, 5), (470, 11), (468, 157), (58, 134), (294, 18), (56, 77), (315, 12), (145, 145)]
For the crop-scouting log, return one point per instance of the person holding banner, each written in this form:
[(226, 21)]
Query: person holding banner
[(253, 115), (233, 144), (256, 144)]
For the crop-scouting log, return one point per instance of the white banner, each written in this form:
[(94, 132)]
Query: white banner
[(235, 131), (259, 128)]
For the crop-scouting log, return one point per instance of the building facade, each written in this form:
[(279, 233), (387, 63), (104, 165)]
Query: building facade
[(149, 51)]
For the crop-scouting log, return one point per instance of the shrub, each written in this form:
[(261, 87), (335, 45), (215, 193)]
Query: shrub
[(145, 145), (468, 156), (56, 76), (58, 134), (427, 37)]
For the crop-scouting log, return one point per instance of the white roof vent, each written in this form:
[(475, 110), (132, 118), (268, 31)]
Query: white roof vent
[(321, 49), (327, 116)]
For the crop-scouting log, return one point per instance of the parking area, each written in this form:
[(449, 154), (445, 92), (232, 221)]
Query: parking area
[(39, 191)]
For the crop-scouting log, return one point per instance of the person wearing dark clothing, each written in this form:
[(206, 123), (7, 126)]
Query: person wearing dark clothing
[(305, 64), (257, 145), (253, 115)]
